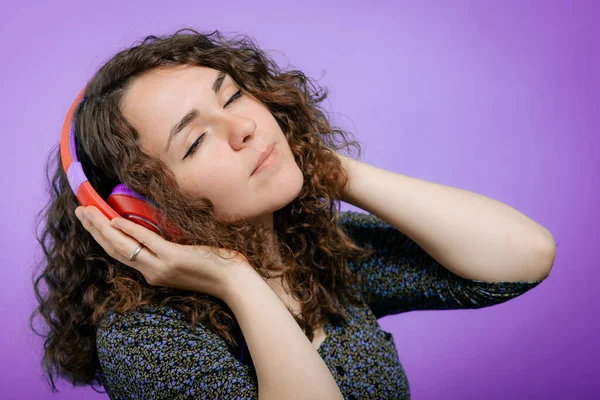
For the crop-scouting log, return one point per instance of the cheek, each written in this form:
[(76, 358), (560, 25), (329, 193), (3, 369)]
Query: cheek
[(217, 181)]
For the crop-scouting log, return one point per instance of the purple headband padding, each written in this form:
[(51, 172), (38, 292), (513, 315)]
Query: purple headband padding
[(124, 190), (75, 174), (73, 151)]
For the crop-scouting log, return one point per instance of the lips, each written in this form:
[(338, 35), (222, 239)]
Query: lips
[(263, 156)]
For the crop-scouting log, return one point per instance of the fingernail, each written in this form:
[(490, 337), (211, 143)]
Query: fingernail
[(86, 214)]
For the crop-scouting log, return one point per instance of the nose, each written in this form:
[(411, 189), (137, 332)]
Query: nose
[(239, 128)]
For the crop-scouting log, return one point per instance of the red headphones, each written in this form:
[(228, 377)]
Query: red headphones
[(122, 201)]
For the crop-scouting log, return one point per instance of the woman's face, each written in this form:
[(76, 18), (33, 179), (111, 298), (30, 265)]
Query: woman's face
[(235, 129)]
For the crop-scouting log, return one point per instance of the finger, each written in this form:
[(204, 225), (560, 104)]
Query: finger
[(151, 240), (117, 244), (88, 224)]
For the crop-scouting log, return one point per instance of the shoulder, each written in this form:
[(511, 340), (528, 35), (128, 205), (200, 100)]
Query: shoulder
[(369, 231), (154, 351), (354, 220), (151, 325), (149, 317)]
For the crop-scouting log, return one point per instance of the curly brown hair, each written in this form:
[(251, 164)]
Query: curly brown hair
[(311, 253)]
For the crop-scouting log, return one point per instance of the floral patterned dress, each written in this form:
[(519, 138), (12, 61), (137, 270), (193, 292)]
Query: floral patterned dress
[(153, 353)]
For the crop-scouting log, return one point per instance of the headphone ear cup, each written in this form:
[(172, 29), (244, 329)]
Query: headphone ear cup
[(135, 207)]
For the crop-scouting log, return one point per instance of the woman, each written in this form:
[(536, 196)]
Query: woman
[(239, 157)]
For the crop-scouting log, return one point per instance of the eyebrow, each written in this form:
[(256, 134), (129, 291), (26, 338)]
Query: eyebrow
[(193, 113)]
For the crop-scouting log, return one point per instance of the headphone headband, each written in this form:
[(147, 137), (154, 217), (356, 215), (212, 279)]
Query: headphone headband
[(79, 183)]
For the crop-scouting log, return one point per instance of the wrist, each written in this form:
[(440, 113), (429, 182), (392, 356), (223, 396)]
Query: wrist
[(237, 281), (349, 165)]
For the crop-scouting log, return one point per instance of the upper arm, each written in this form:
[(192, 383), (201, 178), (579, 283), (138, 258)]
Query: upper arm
[(400, 276), (157, 356)]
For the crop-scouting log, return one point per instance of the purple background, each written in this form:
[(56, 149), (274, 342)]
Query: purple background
[(499, 98)]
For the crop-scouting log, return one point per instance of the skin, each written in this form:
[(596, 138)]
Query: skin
[(221, 167)]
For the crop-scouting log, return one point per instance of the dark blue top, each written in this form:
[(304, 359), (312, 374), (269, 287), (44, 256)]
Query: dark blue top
[(154, 354)]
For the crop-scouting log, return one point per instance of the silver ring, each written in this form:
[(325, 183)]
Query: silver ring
[(136, 252)]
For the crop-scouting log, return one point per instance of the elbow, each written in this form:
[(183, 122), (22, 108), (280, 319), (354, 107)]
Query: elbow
[(546, 257)]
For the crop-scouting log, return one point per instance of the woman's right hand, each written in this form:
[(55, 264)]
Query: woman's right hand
[(163, 263)]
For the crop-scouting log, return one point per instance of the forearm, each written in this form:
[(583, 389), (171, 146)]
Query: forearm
[(474, 236), (287, 365)]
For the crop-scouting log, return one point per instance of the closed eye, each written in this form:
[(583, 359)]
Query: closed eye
[(194, 145), (233, 98)]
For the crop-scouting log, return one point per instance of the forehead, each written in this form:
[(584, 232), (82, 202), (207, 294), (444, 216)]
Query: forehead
[(156, 99), (160, 87)]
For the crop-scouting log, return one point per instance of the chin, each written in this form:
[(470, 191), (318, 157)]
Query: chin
[(287, 189)]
